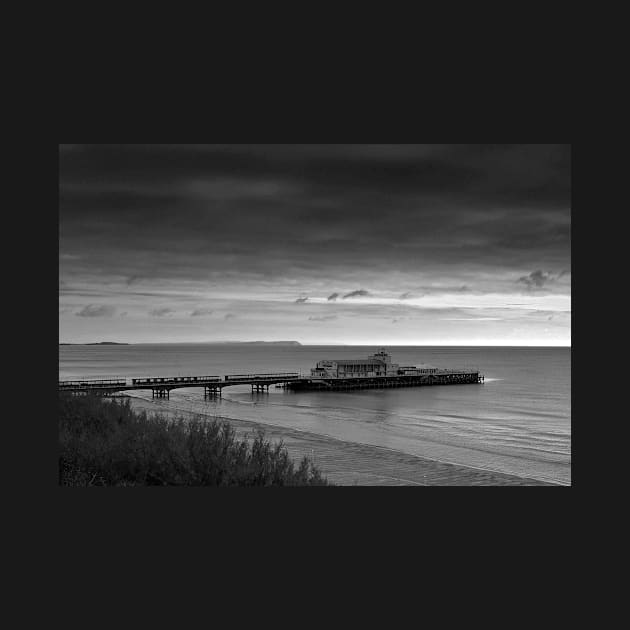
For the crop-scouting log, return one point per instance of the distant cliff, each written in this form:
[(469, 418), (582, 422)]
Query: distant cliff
[(96, 343), (274, 343), (256, 343)]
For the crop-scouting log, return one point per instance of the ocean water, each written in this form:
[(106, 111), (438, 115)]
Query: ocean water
[(517, 422)]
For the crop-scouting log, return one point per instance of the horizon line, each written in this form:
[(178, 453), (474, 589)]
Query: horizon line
[(394, 345)]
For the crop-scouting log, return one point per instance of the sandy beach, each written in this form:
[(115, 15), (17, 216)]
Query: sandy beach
[(349, 463)]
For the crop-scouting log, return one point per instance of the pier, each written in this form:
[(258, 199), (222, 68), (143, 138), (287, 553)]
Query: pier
[(213, 385), (375, 372)]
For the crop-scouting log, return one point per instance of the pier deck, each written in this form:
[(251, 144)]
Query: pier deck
[(162, 386), (446, 377)]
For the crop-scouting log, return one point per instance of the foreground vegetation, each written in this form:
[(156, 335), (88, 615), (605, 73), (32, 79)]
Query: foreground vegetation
[(107, 443)]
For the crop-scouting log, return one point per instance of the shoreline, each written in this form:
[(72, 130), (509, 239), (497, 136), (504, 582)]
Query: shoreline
[(353, 463)]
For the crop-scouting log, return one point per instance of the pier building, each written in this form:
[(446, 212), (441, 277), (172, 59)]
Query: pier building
[(378, 364)]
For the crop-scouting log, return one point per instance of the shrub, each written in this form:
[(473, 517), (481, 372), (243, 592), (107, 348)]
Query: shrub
[(107, 443)]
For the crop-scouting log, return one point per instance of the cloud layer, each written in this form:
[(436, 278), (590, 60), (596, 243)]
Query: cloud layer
[(157, 230), (97, 310), (357, 293)]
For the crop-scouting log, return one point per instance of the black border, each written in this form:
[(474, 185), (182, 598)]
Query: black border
[(341, 523)]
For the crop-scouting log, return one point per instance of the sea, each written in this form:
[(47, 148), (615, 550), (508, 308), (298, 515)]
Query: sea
[(518, 421)]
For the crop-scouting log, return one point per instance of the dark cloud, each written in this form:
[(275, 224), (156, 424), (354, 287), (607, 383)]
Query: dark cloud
[(405, 296), (161, 312), (97, 310), (536, 279), (229, 316), (301, 300), (503, 172), (201, 312), (358, 293), (333, 297), (179, 211)]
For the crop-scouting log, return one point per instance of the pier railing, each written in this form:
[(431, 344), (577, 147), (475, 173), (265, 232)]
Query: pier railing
[(248, 377), (173, 380), (92, 383), (457, 370)]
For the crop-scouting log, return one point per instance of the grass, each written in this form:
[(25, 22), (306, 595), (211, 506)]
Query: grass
[(107, 443)]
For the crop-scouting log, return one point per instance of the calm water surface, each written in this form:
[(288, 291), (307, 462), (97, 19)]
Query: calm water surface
[(518, 422)]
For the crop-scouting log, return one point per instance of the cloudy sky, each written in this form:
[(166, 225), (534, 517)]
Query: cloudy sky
[(358, 244)]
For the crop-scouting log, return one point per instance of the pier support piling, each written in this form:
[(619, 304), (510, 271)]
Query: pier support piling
[(212, 392), (260, 388)]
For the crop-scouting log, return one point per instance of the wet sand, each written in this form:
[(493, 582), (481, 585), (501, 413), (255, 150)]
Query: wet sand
[(349, 463)]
